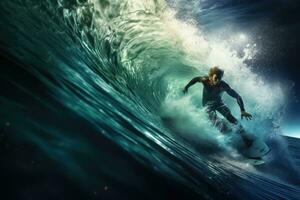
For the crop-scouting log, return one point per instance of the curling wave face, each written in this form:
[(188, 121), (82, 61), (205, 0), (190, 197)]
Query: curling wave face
[(121, 65)]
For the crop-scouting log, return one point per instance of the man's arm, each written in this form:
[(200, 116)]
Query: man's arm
[(239, 100), (192, 82)]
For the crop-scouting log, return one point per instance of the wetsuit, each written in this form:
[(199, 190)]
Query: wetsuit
[(212, 101)]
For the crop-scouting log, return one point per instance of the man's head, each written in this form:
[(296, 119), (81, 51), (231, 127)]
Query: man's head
[(215, 75)]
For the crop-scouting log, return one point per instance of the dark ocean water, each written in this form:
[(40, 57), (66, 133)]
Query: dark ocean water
[(92, 104)]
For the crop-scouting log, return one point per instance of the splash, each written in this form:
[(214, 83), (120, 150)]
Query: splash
[(121, 66)]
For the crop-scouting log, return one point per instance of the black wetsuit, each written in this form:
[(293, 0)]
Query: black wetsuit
[(212, 101)]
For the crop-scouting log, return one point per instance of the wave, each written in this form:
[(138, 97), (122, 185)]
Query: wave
[(121, 66)]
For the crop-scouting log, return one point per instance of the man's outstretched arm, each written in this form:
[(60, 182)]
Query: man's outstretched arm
[(192, 82), (239, 100)]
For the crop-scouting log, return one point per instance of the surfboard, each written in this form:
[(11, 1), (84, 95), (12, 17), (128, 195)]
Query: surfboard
[(252, 161), (257, 150), (255, 154)]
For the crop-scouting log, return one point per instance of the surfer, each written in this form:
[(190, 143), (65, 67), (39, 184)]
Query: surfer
[(213, 88)]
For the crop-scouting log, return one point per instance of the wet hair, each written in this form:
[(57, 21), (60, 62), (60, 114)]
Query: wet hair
[(216, 70)]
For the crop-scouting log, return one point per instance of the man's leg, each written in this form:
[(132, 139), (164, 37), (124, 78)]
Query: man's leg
[(216, 121), (224, 110)]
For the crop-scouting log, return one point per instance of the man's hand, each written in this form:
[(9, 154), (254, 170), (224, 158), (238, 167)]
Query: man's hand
[(185, 90), (246, 115)]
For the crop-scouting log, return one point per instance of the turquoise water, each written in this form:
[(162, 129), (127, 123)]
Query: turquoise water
[(121, 67)]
